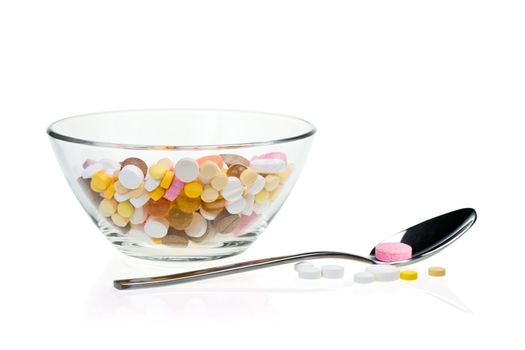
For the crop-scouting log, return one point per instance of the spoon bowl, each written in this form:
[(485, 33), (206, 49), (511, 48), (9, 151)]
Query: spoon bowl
[(426, 239)]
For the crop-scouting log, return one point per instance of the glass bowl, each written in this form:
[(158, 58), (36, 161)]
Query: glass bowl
[(181, 185)]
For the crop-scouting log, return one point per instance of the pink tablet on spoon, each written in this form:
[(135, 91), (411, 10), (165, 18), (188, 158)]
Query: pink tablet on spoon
[(393, 251)]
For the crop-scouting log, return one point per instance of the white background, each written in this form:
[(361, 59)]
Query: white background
[(418, 105)]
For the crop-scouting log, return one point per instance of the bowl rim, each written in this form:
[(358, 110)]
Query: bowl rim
[(56, 135)]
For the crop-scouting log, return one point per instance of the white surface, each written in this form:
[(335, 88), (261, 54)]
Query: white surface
[(419, 106)]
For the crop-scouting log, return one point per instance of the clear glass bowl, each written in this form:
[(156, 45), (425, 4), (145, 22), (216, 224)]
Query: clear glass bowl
[(181, 184)]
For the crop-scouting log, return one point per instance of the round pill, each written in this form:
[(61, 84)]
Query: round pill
[(139, 163), (157, 171), (333, 271), (236, 170), (139, 191), (248, 206), (187, 205), (233, 189), (271, 182), (211, 158), (125, 209), (100, 181), (158, 208), (208, 170), (151, 184), (286, 173), (178, 219), (262, 197), (257, 186), (226, 222), (230, 159), (186, 169), (209, 215), (436, 271), (209, 194), (107, 207), (248, 177), (219, 182), (393, 251), (91, 170), (140, 201), (167, 179), (119, 188), (131, 176), (119, 220), (138, 217), (110, 191), (166, 163), (408, 275), (215, 205), (237, 206), (156, 227), (309, 272), (268, 166), (198, 226), (364, 277), (121, 197), (157, 193), (193, 189), (384, 273), (301, 264), (175, 238)]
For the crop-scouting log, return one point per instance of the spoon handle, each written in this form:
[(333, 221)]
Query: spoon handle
[(230, 269)]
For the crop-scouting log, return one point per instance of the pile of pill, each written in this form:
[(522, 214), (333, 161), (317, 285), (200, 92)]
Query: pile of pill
[(309, 271), (390, 273), (173, 203)]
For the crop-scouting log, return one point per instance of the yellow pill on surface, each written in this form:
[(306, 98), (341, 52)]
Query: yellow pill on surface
[(193, 189), (107, 207), (262, 196), (157, 171), (125, 209), (248, 177), (167, 179), (157, 193), (209, 194), (209, 169), (219, 181), (110, 191), (408, 275), (166, 163), (271, 182), (436, 271), (100, 181)]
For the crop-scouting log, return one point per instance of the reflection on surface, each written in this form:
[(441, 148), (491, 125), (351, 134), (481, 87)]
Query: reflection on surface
[(235, 296)]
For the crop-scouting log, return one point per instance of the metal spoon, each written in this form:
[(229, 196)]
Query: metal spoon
[(426, 239)]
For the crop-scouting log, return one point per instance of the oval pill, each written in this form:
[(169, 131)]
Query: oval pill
[(186, 169), (408, 275), (131, 176), (257, 186), (436, 271)]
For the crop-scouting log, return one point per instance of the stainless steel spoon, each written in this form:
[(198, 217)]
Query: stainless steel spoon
[(426, 239)]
